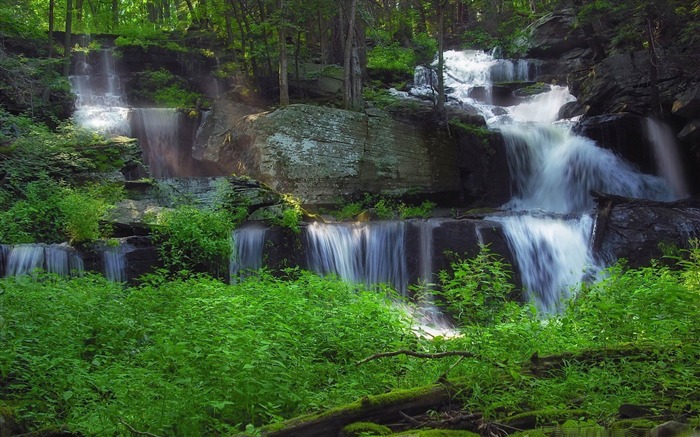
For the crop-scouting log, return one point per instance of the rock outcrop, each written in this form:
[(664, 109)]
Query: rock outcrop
[(638, 230), (319, 153)]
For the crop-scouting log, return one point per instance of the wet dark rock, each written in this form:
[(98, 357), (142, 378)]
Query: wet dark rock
[(632, 411), (624, 134), (639, 230), (570, 109), (621, 83), (555, 34), (687, 104), (483, 167)]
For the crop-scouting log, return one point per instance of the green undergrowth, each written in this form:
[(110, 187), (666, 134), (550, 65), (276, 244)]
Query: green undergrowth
[(194, 356), (383, 207), (54, 184)]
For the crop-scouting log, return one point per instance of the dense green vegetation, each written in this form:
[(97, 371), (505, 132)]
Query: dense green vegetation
[(199, 357), (52, 189)]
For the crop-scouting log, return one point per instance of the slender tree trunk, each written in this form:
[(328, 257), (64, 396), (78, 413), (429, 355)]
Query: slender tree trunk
[(115, 14), (79, 10), (52, 7), (348, 72), (440, 5), (283, 78), (67, 39)]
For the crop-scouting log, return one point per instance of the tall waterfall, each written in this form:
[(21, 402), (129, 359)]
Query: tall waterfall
[(369, 253), (554, 172), (158, 135), (100, 103)]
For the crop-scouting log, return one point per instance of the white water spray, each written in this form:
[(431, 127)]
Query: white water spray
[(100, 102), (369, 253), (247, 245), (554, 171)]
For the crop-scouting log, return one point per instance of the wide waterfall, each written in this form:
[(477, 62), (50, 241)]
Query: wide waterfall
[(24, 259), (370, 253), (553, 172)]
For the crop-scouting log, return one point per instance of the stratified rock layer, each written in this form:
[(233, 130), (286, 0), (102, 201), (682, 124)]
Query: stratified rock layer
[(319, 153)]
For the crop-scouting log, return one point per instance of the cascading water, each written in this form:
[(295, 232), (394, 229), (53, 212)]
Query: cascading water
[(23, 259), (100, 104), (247, 245), (553, 172), (158, 135), (114, 261), (369, 253)]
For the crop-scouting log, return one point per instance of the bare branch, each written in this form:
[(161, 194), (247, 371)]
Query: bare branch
[(136, 431), (465, 354)]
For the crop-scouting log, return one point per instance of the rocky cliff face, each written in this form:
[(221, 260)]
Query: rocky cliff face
[(618, 87), (319, 153)]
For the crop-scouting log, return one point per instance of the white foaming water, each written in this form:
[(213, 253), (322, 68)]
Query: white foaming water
[(114, 261), (552, 170), (247, 245), (24, 259), (467, 71), (553, 255), (369, 253), (100, 102), (159, 140), (667, 155)]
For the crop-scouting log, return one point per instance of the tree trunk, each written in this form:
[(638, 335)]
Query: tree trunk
[(115, 14), (67, 39), (348, 66), (440, 6), (52, 6), (283, 78)]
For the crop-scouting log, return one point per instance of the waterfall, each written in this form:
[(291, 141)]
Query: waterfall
[(553, 171), (159, 139), (369, 253), (23, 259), (114, 262), (100, 104), (667, 155), (247, 245)]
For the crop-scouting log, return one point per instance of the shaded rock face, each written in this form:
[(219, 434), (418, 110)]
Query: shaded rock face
[(624, 134), (621, 83), (319, 153), (638, 232), (555, 34)]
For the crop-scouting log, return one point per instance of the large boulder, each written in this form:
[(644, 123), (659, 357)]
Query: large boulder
[(621, 83), (638, 231), (319, 153), (553, 35)]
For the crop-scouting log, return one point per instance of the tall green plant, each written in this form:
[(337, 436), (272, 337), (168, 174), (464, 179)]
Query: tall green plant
[(477, 289), (195, 240)]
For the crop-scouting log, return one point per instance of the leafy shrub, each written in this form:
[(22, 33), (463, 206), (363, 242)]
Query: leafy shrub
[(478, 289), (423, 210), (189, 357), (165, 89), (195, 240), (391, 63), (83, 210)]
